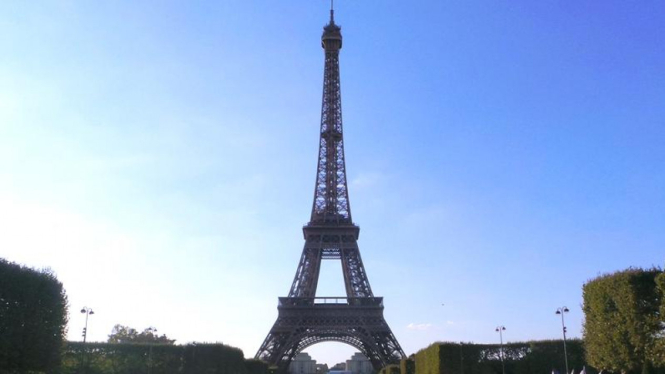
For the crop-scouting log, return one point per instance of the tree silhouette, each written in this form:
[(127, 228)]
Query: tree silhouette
[(125, 334)]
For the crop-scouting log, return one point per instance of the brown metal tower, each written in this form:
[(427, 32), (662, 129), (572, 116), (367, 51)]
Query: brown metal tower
[(304, 319)]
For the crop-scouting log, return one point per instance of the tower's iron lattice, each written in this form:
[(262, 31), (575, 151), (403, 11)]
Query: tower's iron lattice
[(304, 319)]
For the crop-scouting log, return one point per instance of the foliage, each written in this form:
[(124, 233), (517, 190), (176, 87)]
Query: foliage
[(257, 367), (124, 334), (659, 353), (213, 358), (117, 358), (152, 358), (390, 369), (407, 366), (534, 357), (623, 324), (428, 360), (33, 318)]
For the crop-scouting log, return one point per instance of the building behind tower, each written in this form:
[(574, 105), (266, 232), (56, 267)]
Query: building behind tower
[(359, 364)]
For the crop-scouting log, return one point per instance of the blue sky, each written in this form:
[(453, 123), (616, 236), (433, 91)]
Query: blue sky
[(160, 158)]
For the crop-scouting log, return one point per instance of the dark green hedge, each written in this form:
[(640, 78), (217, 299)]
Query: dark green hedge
[(536, 357), (33, 317), (623, 322), (390, 369), (213, 358), (257, 367), (140, 358), (659, 349), (407, 366)]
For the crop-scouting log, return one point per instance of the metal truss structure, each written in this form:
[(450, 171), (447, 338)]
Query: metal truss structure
[(357, 319)]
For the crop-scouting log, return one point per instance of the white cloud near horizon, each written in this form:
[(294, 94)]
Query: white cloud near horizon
[(419, 326)]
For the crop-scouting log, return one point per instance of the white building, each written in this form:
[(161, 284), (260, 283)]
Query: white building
[(359, 364), (323, 368), (302, 364)]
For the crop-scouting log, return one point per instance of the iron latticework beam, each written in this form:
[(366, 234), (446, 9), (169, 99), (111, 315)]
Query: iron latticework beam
[(330, 234)]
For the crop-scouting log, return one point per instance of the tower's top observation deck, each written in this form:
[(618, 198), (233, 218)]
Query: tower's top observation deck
[(331, 40)]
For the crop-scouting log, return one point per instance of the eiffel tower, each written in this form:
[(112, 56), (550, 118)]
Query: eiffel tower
[(304, 319)]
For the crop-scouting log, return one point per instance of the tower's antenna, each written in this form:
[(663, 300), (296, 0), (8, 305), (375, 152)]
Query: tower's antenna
[(332, 11)]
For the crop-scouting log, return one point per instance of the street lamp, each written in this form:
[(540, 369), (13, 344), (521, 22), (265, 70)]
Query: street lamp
[(563, 310), (500, 330), (87, 311), (152, 332)]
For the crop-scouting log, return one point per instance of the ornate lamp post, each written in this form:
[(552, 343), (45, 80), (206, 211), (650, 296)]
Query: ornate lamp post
[(500, 330), (563, 310), (87, 311)]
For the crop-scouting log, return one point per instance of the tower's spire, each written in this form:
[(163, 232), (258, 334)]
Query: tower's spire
[(332, 12)]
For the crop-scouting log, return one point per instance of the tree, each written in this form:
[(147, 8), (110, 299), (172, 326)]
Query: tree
[(33, 318), (622, 320), (124, 334)]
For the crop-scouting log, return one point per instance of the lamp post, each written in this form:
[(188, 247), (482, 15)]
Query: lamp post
[(152, 331), (87, 311), (500, 330), (563, 310), (461, 358)]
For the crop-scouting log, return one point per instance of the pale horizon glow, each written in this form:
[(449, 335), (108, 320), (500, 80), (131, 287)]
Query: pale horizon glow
[(161, 159)]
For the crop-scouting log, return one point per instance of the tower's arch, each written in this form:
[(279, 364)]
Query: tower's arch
[(311, 340)]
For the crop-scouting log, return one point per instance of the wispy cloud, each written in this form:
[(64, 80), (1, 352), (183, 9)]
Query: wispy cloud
[(367, 180), (419, 326)]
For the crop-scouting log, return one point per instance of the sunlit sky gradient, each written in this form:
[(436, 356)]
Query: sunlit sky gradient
[(159, 156)]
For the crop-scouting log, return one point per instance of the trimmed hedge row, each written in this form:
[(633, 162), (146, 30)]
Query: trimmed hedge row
[(536, 357), (390, 369), (632, 302), (255, 366), (407, 366), (140, 358)]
